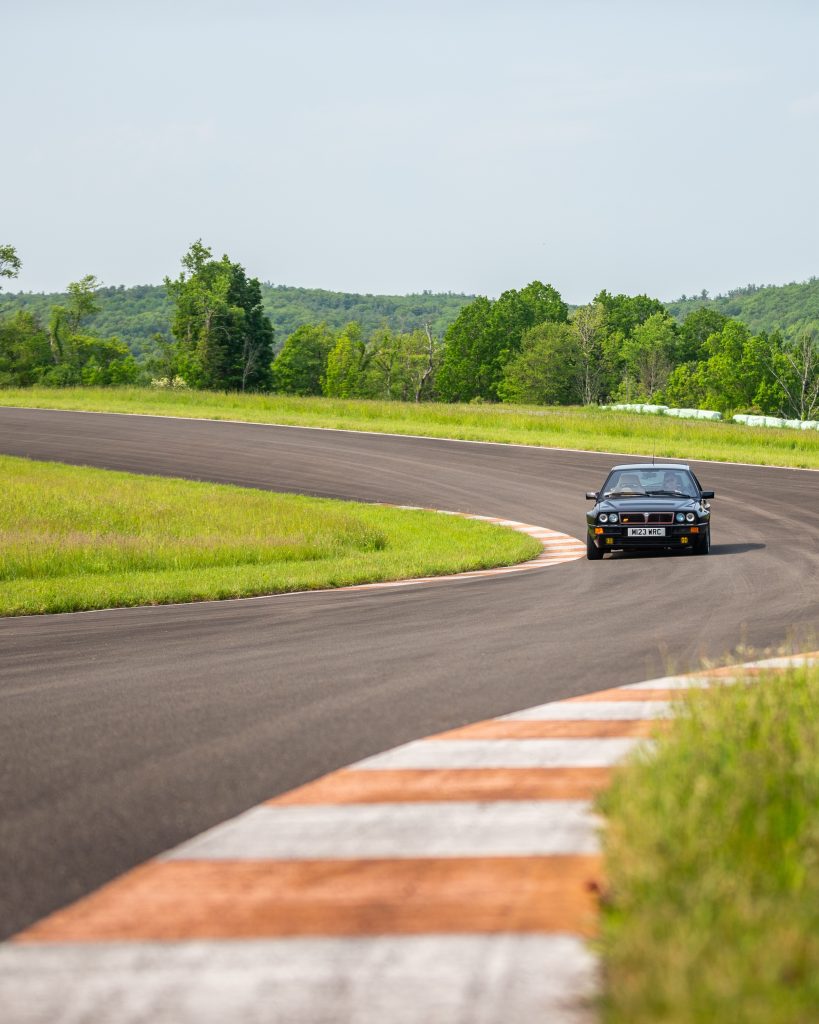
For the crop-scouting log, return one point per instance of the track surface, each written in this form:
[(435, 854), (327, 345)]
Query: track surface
[(123, 732)]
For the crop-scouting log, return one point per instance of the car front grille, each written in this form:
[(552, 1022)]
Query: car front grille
[(634, 518)]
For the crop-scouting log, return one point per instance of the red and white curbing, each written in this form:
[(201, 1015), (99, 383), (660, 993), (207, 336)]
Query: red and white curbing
[(450, 879)]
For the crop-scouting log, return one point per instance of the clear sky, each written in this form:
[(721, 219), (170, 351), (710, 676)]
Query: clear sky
[(657, 146)]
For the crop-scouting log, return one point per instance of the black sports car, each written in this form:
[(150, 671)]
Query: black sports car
[(649, 506)]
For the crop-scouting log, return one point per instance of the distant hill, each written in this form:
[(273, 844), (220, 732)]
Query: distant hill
[(135, 314), (784, 307)]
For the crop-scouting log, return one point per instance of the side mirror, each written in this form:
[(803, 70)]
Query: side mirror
[(592, 495), (706, 494)]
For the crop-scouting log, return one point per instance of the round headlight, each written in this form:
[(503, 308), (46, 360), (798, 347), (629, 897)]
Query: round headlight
[(603, 517), (680, 517), (612, 517), (690, 517)]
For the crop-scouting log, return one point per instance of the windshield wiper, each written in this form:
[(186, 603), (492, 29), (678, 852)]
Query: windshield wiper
[(625, 494), (682, 494)]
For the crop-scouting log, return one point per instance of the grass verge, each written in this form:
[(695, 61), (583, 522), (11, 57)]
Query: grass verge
[(712, 853), (556, 427), (73, 538)]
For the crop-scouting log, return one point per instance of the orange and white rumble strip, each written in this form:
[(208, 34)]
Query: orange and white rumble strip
[(452, 879)]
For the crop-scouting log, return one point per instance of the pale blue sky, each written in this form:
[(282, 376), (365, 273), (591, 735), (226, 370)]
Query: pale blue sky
[(394, 146)]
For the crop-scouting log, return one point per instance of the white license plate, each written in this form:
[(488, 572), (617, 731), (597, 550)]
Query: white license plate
[(646, 531)]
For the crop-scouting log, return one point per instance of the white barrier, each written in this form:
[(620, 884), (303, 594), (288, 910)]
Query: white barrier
[(710, 414), (664, 410), (774, 421)]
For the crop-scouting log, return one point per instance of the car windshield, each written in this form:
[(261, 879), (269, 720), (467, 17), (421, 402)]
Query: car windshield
[(650, 481)]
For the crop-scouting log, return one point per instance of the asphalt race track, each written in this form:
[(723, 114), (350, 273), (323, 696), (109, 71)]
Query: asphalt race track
[(124, 732)]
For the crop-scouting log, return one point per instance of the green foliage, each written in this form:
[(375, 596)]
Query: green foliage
[(137, 314), (402, 366), (300, 367), (24, 349), (712, 841), (695, 330), (65, 354), (545, 370), (648, 355), (346, 375), (10, 263), (625, 312), (225, 340), (487, 334), (795, 369), (622, 347), (784, 308)]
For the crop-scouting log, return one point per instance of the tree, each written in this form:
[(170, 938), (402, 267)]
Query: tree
[(225, 338), (24, 349), (402, 366), (795, 368), (384, 364), (589, 329), (486, 335), (347, 365), (301, 365), (545, 370), (695, 330), (649, 353), (66, 320), (466, 369), (422, 356), (736, 373), (10, 263), (625, 312)]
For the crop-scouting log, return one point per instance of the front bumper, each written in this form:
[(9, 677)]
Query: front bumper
[(616, 538)]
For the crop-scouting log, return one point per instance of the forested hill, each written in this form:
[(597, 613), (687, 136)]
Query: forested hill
[(763, 307), (135, 314)]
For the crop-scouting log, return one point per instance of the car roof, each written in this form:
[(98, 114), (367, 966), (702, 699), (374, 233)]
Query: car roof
[(655, 465)]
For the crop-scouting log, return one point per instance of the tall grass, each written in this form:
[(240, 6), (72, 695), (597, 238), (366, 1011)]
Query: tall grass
[(559, 426), (76, 538), (712, 849)]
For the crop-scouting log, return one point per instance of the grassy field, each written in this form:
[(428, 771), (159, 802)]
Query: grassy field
[(75, 538), (561, 427), (713, 863)]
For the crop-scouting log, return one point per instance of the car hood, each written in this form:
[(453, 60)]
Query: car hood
[(650, 504)]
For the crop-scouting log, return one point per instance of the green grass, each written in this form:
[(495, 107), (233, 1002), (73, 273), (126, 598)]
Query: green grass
[(712, 850), (74, 538), (560, 427)]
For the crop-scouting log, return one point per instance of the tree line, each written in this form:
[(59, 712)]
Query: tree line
[(527, 347)]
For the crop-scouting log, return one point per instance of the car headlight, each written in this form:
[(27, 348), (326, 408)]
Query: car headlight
[(680, 517), (603, 517), (690, 517), (612, 517)]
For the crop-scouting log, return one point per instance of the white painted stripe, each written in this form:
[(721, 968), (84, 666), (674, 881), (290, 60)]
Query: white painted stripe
[(672, 683), (503, 828), (558, 753), (593, 710), (792, 661), (415, 979)]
